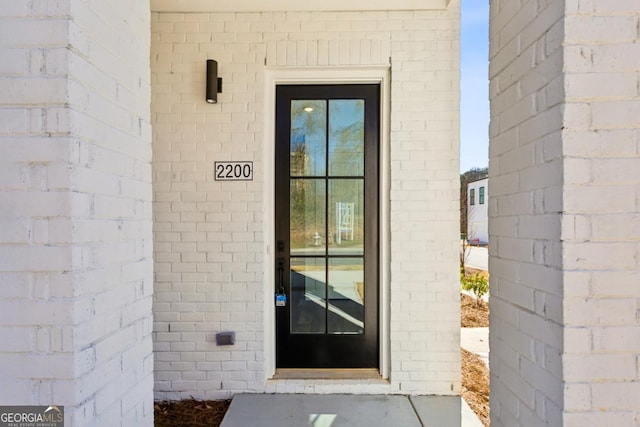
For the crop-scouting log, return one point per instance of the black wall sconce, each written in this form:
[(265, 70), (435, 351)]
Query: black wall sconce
[(214, 83)]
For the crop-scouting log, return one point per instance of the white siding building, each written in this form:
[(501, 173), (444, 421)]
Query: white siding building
[(478, 211)]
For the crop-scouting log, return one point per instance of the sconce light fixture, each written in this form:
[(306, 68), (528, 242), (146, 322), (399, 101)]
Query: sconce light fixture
[(214, 83)]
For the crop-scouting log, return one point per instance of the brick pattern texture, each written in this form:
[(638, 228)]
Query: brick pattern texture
[(525, 203), (75, 225), (601, 220), (210, 236), (563, 213)]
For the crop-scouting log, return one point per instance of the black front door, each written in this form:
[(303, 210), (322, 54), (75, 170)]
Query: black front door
[(327, 225)]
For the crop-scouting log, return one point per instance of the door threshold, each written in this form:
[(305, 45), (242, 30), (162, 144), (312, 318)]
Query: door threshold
[(327, 374)]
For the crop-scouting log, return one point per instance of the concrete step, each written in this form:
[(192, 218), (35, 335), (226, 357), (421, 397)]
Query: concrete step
[(338, 410)]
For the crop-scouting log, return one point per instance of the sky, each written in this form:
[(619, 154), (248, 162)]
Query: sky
[(474, 104)]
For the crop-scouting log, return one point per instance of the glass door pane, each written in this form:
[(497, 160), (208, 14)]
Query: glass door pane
[(326, 225), (346, 137), (308, 138), (307, 210), (346, 296), (308, 291), (346, 216)]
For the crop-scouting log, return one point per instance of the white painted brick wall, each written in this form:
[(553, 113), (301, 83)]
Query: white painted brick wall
[(36, 312), (601, 241), (525, 172), (564, 245), (110, 93), (75, 188), (210, 236)]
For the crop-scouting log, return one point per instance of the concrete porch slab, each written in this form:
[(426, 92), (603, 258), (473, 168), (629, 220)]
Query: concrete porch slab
[(338, 410), (436, 411)]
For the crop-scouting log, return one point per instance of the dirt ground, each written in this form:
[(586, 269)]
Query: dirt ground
[(475, 384), (475, 374)]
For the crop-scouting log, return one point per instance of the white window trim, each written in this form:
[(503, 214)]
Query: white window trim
[(326, 75)]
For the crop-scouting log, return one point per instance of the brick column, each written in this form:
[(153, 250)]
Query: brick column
[(601, 214), (75, 224), (563, 213)]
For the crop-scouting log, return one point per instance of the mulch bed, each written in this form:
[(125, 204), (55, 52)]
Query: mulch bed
[(190, 413), (475, 384), (473, 315), (475, 374)]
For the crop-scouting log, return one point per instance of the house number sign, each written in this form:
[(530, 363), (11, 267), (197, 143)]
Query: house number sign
[(233, 171)]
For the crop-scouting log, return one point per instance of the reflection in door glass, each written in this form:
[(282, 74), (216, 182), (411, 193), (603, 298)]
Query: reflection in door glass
[(308, 137), (346, 296), (346, 137), (307, 216), (308, 293), (346, 216)]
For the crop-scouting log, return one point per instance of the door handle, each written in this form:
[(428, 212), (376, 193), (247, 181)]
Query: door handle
[(281, 297)]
